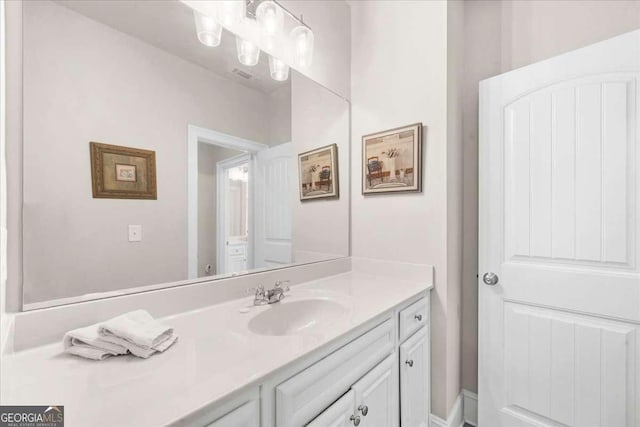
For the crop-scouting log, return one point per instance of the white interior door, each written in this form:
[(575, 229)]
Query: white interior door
[(233, 214), (273, 206), (559, 216)]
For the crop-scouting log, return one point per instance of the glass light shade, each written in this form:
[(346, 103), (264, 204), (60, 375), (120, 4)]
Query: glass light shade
[(232, 12), (209, 31), (248, 53), (270, 17), (279, 69), (302, 38)]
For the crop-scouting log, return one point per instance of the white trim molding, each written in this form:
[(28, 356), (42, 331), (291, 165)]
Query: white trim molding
[(197, 134), (455, 418), (464, 410), (470, 407)]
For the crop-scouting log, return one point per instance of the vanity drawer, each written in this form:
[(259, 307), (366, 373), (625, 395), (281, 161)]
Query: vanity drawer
[(302, 397), (413, 318), (236, 250)]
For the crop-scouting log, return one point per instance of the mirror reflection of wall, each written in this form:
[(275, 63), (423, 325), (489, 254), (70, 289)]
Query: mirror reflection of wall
[(134, 74)]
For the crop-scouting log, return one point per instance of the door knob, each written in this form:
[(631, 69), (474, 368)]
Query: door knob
[(410, 363), (364, 409), (490, 279), (355, 419)]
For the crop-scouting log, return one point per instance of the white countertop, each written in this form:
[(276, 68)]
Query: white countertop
[(216, 354)]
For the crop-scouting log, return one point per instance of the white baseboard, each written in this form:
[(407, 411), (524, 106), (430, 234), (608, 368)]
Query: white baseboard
[(464, 410), (470, 407), (455, 418)]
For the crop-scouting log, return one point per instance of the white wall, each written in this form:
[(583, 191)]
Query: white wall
[(4, 323), (319, 118), (124, 93), (279, 115), (500, 36), (399, 76)]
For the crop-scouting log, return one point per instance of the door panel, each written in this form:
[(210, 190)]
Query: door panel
[(414, 381), (273, 218), (377, 395), (559, 201), (337, 415)]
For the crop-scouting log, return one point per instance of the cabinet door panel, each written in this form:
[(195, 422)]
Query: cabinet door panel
[(337, 415), (246, 415), (414, 380), (377, 395)]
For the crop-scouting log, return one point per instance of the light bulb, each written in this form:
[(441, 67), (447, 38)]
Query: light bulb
[(248, 53), (209, 31), (278, 69), (232, 12), (302, 38), (270, 17)]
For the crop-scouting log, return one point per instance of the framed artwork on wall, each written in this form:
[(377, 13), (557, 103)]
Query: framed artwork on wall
[(318, 171), (122, 172), (392, 160)]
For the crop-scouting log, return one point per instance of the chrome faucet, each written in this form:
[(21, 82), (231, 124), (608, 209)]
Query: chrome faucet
[(270, 296)]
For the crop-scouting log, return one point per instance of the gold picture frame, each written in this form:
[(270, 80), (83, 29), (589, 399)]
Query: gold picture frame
[(392, 161), (122, 172)]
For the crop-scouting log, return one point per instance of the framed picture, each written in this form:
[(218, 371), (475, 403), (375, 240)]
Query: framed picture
[(122, 172), (392, 160), (318, 170)]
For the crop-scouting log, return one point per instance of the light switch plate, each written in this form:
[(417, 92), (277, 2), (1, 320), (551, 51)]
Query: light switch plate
[(135, 233)]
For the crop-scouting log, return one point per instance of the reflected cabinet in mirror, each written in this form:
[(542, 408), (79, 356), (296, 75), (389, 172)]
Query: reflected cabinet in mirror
[(152, 159)]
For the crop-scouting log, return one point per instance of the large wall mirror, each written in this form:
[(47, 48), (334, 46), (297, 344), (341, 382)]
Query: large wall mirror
[(151, 159)]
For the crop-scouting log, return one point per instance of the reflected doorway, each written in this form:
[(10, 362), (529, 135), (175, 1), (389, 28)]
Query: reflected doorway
[(234, 201)]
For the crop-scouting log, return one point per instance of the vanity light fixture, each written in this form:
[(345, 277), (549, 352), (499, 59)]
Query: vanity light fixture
[(278, 69), (209, 30), (270, 17), (302, 38), (232, 12), (248, 53), (257, 24)]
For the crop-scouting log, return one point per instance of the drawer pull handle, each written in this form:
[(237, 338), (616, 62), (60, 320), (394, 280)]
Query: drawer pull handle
[(355, 419), (418, 317), (364, 409), (410, 363)]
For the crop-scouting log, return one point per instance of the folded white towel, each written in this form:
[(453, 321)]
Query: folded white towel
[(140, 351), (135, 332), (136, 327), (88, 352), (88, 336)]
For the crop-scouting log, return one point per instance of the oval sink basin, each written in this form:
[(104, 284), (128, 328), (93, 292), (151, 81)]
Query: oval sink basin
[(290, 318)]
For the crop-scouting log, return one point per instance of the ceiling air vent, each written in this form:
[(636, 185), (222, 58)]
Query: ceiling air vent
[(242, 74)]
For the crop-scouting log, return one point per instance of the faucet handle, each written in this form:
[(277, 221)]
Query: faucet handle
[(258, 290), (279, 284)]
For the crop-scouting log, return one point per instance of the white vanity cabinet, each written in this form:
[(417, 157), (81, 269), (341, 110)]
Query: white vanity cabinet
[(340, 414), (372, 401), (377, 379), (247, 415), (414, 380), (375, 376), (376, 395)]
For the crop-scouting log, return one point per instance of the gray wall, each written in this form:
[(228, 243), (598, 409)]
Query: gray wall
[(501, 36)]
